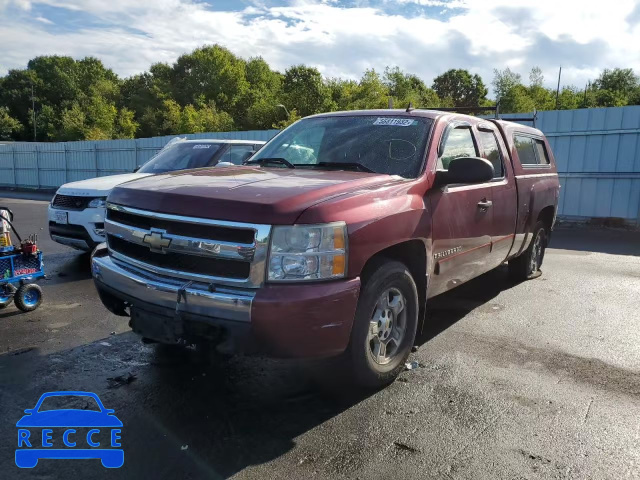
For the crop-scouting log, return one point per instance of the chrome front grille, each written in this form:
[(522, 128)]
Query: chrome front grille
[(203, 250)]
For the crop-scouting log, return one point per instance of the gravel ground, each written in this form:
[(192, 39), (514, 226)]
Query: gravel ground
[(536, 380)]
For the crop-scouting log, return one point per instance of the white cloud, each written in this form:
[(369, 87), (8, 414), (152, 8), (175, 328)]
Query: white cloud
[(21, 4), (479, 35)]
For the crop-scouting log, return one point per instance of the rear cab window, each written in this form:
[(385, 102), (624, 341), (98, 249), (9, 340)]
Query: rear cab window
[(531, 151)]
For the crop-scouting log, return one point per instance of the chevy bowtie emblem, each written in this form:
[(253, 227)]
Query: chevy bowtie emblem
[(156, 241)]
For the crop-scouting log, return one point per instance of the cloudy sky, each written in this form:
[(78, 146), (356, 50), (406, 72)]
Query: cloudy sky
[(340, 37)]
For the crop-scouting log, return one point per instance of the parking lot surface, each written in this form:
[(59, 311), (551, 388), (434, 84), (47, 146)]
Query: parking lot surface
[(535, 380)]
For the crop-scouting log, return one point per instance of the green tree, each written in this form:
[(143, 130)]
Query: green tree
[(305, 91), (569, 98), (263, 95), (212, 72), (462, 88), (517, 99), (72, 124), (292, 118), (144, 94), (503, 82), (15, 95), (408, 88), (634, 97), (536, 78), (125, 125), (9, 126), (621, 81), (371, 92)]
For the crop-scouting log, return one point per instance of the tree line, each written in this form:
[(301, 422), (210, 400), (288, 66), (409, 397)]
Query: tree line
[(57, 98)]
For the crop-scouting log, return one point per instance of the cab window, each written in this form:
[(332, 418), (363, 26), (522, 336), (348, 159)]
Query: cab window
[(491, 152), (541, 152), (525, 148), (459, 143)]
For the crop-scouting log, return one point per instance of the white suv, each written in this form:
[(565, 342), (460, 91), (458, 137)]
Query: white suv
[(76, 213)]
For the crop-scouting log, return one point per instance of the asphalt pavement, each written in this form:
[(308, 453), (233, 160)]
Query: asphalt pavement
[(531, 381)]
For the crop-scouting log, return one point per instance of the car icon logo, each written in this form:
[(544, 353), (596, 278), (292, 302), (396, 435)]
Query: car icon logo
[(69, 433)]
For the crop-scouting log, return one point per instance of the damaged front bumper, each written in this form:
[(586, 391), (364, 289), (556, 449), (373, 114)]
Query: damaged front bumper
[(307, 320)]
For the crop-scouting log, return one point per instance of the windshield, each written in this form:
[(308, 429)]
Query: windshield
[(181, 156), (382, 144)]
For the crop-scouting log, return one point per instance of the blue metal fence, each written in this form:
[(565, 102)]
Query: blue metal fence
[(597, 151)]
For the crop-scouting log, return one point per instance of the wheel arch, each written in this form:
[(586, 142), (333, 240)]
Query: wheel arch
[(547, 216), (411, 253)]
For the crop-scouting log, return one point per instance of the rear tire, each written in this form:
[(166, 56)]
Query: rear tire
[(385, 325), (28, 297), (527, 265)]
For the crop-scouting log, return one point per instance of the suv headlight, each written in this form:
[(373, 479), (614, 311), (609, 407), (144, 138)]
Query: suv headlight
[(308, 252), (98, 202)]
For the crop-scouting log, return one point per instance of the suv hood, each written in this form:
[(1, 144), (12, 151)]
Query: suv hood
[(98, 187), (243, 194)]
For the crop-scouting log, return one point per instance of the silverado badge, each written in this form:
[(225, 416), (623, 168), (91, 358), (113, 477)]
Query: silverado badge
[(446, 253)]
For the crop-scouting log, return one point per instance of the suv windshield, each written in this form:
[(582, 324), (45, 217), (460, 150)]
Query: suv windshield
[(181, 156), (393, 145)]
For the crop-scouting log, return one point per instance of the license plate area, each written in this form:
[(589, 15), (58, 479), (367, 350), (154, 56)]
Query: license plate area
[(154, 326), (62, 217)]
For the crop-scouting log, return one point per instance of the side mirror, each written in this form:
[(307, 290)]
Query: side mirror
[(29, 410), (466, 170), (136, 169)]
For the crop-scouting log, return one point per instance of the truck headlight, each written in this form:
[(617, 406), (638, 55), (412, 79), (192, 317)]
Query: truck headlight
[(98, 203), (308, 252)]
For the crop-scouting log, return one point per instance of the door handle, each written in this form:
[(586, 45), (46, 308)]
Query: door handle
[(484, 204)]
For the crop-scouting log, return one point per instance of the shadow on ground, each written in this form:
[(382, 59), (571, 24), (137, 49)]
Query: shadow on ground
[(448, 308)]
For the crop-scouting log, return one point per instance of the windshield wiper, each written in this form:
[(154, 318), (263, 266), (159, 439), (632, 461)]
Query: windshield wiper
[(261, 161), (345, 166)]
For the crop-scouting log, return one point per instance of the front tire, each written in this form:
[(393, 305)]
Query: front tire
[(527, 265), (385, 325)]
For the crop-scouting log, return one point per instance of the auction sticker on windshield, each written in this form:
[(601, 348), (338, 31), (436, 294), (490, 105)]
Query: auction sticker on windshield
[(396, 122), (70, 425), (201, 146)]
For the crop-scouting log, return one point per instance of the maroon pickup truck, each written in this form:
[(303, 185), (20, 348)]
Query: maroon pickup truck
[(332, 238)]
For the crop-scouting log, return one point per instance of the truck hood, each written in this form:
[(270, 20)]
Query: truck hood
[(98, 187), (243, 194)]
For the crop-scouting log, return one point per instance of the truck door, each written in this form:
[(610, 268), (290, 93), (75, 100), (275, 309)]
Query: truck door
[(503, 193), (462, 217)]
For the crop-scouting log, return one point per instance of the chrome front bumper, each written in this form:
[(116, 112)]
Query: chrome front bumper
[(195, 297)]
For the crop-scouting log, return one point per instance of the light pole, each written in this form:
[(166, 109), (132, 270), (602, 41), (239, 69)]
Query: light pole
[(33, 111)]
